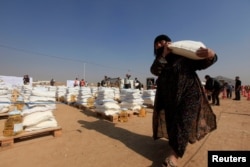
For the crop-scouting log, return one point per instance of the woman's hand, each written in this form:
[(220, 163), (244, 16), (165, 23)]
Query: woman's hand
[(205, 53), (166, 50)]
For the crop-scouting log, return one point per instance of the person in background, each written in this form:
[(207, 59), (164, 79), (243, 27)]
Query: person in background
[(98, 84), (52, 82), (237, 88), (150, 84), (214, 87), (182, 113), (103, 84), (142, 88), (127, 84), (118, 83), (104, 81), (76, 82), (137, 84), (26, 79), (82, 83), (229, 89)]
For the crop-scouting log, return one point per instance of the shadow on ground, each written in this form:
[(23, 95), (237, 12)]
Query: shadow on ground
[(141, 144)]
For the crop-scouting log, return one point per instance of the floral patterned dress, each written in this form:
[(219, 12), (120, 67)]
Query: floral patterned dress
[(182, 113)]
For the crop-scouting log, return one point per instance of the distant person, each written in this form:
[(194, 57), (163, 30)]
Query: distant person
[(137, 84), (82, 83), (237, 88), (229, 89), (26, 79), (98, 84), (52, 82), (108, 84), (76, 82), (142, 87), (127, 83), (215, 87), (103, 84), (150, 84), (118, 83), (104, 81)]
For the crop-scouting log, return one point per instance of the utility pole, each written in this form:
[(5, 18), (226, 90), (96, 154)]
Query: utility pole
[(84, 71)]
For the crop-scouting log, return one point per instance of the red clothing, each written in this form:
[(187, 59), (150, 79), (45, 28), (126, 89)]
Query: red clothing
[(82, 83)]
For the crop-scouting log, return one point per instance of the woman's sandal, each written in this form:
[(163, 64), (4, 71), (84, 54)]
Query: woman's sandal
[(168, 163)]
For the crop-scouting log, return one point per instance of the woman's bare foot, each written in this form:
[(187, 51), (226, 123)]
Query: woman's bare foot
[(168, 163), (172, 159)]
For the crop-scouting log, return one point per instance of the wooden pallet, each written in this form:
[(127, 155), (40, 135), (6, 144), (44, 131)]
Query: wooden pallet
[(4, 115), (70, 103), (9, 141), (60, 99), (111, 118), (131, 113), (80, 106), (149, 106), (115, 117)]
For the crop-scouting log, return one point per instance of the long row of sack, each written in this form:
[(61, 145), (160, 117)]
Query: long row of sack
[(109, 100), (40, 101)]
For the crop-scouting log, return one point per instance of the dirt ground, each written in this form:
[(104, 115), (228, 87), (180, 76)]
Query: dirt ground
[(88, 141)]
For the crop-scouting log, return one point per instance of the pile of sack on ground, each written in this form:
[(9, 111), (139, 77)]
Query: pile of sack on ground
[(27, 108), (5, 101), (105, 102)]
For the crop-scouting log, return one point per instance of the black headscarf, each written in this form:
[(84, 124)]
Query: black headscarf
[(160, 38)]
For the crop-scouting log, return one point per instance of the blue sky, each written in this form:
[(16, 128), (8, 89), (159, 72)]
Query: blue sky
[(64, 39)]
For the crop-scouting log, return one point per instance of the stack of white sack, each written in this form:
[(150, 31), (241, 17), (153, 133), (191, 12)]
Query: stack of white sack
[(39, 114), (131, 99), (40, 96), (39, 120), (105, 95), (71, 94), (85, 97), (5, 101), (116, 93), (4, 89), (149, 96), (94, 91), (26, 92), (52, 88), (105, 102), (22, 103), (5, 104), (61, 93)]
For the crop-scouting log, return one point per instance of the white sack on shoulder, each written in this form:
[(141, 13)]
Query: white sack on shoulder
[(187, 48)]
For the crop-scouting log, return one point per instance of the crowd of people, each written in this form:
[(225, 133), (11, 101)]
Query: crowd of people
[(214, 88), (80, 83), (117, 82)]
